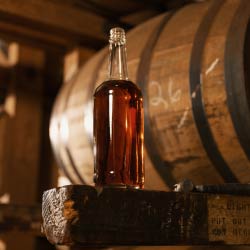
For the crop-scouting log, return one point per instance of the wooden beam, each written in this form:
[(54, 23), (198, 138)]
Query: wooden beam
[(103, 10), (108, 8), (51, 24), (83, 216), (139, 16)]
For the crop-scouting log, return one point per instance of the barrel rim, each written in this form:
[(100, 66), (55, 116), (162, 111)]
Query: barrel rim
[(198, 109), (237, 101)]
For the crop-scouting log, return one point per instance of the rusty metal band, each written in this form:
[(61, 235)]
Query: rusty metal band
[(237, 96), (162, 167), (198, 109)]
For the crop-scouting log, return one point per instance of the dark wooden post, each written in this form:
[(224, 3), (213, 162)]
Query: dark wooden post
[(25, 154)]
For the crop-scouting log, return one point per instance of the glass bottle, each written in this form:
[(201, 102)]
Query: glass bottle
[(118, 123)]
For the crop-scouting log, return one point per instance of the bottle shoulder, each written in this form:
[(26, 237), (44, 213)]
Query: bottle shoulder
[(117, 85)]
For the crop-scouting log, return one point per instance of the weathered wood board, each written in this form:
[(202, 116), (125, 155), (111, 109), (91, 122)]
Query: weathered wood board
[(81, 215)]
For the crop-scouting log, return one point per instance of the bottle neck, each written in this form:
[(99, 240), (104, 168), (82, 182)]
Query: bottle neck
[(117, 62)]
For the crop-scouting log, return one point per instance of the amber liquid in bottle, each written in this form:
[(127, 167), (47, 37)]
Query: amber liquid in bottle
[(118, 126)]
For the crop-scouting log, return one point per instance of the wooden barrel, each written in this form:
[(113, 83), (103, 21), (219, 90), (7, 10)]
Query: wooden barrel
[(192, 66)]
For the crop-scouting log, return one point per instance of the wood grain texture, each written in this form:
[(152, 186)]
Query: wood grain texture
[(81, 215)]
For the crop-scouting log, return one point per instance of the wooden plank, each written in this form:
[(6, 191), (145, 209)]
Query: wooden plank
[(20, 218), (83, 216), (50, 23), (22, 137), (22, 223)]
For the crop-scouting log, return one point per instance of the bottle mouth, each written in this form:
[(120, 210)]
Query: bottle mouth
[(117, 36)]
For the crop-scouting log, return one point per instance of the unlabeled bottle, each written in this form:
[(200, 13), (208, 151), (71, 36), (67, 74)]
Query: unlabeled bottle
[(118, 123)]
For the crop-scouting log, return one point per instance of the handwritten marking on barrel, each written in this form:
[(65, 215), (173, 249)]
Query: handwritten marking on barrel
[(209, 70), (183, 118), (212, 66), (158, 99), (174, 96)]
